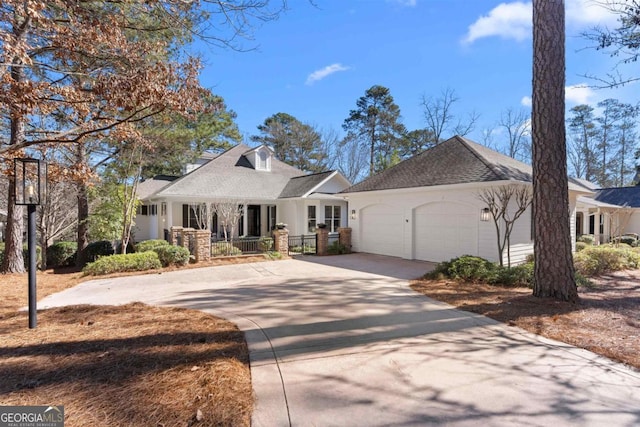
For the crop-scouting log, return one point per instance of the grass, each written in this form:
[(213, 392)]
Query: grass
[(128, 365)]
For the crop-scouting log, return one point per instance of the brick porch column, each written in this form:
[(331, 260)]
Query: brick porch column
[(174, 232), (323, 241), (281, 241), (203, 245), (344, 238)]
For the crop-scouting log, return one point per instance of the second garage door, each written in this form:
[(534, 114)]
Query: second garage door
[(445, 230), (382, 228)]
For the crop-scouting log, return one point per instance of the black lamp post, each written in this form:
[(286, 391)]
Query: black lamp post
[(29, 180)]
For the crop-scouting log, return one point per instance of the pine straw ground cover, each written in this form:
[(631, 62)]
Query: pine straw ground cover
[(605, 321), (132, 365)]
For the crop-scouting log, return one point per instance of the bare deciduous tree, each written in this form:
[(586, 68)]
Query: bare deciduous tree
[(498, 200), (439, 117), (517, 124)]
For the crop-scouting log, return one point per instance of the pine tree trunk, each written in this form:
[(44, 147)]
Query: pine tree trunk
[(554, 272), (83, 213)]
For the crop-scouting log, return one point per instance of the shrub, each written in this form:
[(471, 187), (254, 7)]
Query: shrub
[(98, 249), (172, 255), (517, 276), (580, 246), (628, 240), (596, 260), (274, 255), (589, 239), (150, 245), (337, 248), (265, 244), (62, 254), (472, 269), (224, 248), (140, 261)]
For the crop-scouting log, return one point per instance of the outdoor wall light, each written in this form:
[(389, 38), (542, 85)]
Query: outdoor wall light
[(485, 214), (29, 175), (353, 214)]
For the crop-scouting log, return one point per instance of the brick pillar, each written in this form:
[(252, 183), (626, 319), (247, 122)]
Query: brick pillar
[(203, 245), (344, 238), (281, 241), (174, 233), (322, 241)]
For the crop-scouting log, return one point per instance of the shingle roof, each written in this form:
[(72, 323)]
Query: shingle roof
[(230, 175), (150, 186), (454, 161), (623, 196), (301, 185)]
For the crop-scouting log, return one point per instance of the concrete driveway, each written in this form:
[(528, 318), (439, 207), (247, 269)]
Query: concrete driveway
[(343, 341)]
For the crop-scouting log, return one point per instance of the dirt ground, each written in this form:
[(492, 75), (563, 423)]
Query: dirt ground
[(605, 321), (129, 365)]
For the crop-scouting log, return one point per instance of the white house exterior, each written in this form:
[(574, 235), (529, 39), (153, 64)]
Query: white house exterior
[(427, 207), (268, 190), (609, 213)]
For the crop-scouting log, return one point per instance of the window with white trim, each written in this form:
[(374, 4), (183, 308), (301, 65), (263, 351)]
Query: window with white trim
[(332, 217), (311, 219)]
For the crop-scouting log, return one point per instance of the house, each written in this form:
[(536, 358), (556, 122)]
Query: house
[(268, 190), (610, 212), (427, 207)]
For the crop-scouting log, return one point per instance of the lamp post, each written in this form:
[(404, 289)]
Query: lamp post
[(29, 180)]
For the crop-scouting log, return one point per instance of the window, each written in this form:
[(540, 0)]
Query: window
[(311, 219), (163, 208), (271, 218), (146, 210), (191, 215), (263, 160), (332, 217)]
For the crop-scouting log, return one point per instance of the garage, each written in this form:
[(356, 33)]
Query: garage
[(445, 230), (382, 230)]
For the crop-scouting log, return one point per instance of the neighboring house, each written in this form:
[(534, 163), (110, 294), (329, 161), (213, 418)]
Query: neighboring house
[(270, 192), (610, 212), (3, 221), (427, 207)]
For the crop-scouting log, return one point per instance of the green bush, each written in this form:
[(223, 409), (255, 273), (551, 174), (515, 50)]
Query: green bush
[(172, 255), (98, 249), (273, 255), (517, 276), (62, 254), (597, 260), (265, 244), (25, 255), (140, 261), (337, 248), (580, 246), (224, 248), (628, 240), (150, 245), (472, 269), (589, 239)]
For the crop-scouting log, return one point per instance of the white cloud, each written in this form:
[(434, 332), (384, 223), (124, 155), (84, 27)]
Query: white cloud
[(325, 72), (507, 20), (513, 20), (526, 101), (578, 94)]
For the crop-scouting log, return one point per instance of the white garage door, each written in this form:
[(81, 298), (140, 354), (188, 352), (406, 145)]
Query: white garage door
[(381, 230), (445, 230)]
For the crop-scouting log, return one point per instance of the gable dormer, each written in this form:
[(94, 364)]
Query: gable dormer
[(260, 158)]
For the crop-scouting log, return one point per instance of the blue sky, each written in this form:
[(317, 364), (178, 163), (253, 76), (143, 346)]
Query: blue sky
[(315, 62)]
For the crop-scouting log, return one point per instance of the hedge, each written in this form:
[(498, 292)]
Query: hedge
[(149, 245), (98, 249), (62, 254), (172, 255), (139, 261), (596, 260), (479, 270)]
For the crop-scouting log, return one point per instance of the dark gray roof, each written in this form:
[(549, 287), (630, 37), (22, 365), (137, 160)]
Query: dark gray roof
[(623, 196), (231, 175), (455, 161), (148, 187), (301, 185)]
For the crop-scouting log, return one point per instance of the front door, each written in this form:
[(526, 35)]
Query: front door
[(253, 220)]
